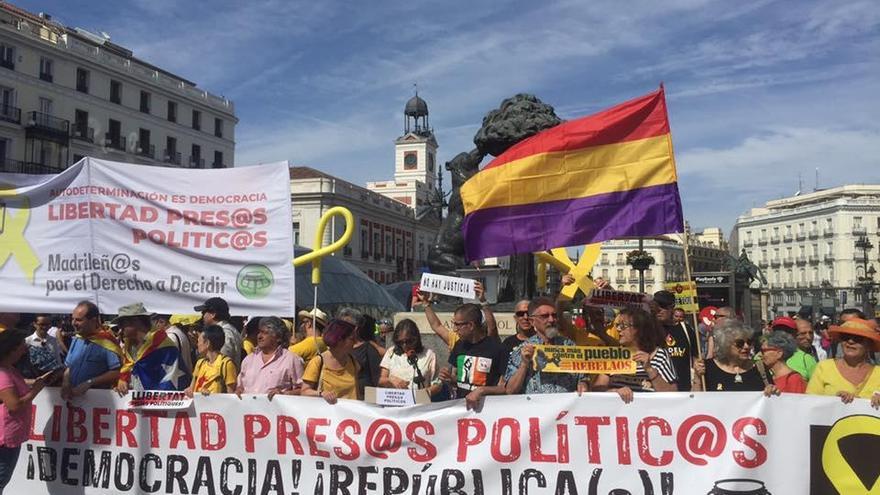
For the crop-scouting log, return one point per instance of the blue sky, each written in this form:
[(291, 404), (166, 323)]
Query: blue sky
[(758, 92)]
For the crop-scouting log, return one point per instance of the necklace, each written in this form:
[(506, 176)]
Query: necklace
[(738, 378)]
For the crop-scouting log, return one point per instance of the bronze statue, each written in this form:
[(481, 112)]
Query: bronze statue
[(516, 119)]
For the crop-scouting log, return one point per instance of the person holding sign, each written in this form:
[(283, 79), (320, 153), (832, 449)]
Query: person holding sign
[(332, 374), (408, 364), (16, 397), (451, 337), (641, 333), (732, 369), (214, 373), (477, 360), (521, 377)]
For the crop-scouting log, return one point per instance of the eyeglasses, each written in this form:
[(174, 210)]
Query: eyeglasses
[(720, 315), (624, 326), (855, 339), (460, 323), (545, 316), (770, 348), (520, 314), (740, 343)]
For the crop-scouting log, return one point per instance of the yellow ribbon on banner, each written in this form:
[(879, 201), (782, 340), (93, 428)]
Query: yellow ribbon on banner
[(319, 251), (558, 257), (13, 244), (836, 468)]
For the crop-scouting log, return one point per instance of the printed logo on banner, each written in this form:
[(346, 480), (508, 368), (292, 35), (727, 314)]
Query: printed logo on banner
[(843, 457), (255, 281)]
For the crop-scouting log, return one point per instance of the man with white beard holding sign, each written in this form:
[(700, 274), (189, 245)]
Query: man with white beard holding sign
[(521, 377)]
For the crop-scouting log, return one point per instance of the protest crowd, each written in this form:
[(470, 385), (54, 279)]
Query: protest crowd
[(338, 358)]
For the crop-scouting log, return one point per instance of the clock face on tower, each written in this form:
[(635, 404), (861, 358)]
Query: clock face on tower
[(410, 160)]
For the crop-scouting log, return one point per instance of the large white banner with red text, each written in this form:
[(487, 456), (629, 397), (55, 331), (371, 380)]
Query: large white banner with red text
[(673, 443), (117, 233)]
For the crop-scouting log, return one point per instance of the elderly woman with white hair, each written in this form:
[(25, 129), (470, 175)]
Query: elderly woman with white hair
[(271, 369), (776, 348), (732, 369)]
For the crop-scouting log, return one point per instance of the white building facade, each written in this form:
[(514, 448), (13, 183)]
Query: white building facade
[(66, 93), (806, 246), (668, 264)]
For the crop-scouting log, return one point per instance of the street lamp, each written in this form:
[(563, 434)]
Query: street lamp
[(867, 282)]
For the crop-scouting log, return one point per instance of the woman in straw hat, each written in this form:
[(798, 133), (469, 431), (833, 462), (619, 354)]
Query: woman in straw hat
[(851, 375), (16, 397)]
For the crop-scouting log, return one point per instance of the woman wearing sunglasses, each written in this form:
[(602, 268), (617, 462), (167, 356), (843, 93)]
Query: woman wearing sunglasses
[(408, 364), (850, 375), (776, 348), (732, 369)]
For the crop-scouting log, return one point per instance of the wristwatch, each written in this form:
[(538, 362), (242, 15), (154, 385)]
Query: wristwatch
[(89, 382)]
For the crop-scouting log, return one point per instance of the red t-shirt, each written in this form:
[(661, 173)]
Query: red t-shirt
[(14, 427), (792, 383)]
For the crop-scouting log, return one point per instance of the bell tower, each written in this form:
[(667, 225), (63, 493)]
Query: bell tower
[(415, 152)]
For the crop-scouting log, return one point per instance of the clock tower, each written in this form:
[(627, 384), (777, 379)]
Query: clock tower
[(415, 159)]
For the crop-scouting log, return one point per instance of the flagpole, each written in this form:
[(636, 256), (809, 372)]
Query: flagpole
[(687, 274)]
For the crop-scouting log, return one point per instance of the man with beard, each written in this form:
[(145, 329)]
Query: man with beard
[(520, 377), (524, 328), (477, 360), (681, 341)]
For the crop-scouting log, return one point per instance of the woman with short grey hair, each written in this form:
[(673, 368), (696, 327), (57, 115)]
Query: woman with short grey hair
[(776, 348), (732, 369)]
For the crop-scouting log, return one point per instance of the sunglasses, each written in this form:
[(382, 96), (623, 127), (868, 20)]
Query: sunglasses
[(855, 339), (520, 314), (740, 343), (770, 348), (545, 316), (409, 341)]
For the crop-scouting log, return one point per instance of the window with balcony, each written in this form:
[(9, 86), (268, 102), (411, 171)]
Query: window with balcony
[(115, 92), (145, 102), (145, 147), (171, 154), (82, 80), (172, 111), (218, 160), (196, 120), (114, 138), (81, 129), (7, 56), (218, 127), (195, 157), (46, 69), (8, 111)]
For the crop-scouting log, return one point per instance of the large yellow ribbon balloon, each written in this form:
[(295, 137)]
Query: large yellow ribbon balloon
[(558, 257), (13, 243), (318, 251)]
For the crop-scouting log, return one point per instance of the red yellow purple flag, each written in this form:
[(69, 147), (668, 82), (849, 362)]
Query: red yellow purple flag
[(601, 177)]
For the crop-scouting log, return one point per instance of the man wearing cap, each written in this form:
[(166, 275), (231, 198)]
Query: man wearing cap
[(94, 358), (151, 360), (800, 361), (215, 311), (311, 326), (680, 340)]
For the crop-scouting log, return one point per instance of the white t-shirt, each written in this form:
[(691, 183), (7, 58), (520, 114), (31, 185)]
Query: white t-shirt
[(399, 366), (50, 343)]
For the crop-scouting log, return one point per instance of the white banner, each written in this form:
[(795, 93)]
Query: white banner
[(671, 443), (117, 233)]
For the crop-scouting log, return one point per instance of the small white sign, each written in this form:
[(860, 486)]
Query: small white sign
[(395, 397), (158, 400), (448, 286)]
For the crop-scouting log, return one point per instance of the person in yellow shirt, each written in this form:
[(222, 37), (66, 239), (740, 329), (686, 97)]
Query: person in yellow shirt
[(333, 374), (214, 373), (312, 342), (851, 375), (596, 332)]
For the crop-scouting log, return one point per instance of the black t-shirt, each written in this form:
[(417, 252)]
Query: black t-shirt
[(368, 358), (718, 380), (511, 342), (681, 343), (478, 365)]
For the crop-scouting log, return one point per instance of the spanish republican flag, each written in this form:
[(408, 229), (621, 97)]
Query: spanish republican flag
[(606, 176)]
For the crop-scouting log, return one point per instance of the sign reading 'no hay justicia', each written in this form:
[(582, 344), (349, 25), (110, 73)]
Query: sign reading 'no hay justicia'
[(116, 233)]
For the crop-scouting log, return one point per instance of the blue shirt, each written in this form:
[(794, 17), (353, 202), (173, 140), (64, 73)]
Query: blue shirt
[(88, 360), (538, 382)]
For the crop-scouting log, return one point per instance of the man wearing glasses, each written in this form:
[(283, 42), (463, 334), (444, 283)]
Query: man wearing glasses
[(524, 328), (521, 377), (477, 360)]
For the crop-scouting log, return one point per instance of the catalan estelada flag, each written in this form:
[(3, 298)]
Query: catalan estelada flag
[(606, 176), (155, 365)]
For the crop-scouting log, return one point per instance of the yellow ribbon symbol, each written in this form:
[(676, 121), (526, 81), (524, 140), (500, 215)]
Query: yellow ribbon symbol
[(558, 257), (837, 469), (12, 241), (319, 251)]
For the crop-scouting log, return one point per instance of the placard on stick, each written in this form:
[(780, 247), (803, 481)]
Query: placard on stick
[(448, 286)]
